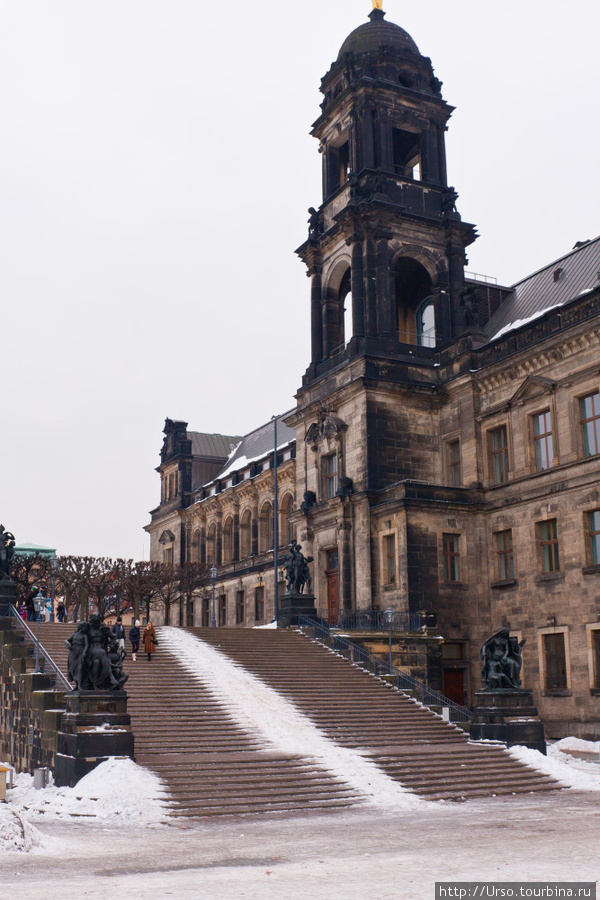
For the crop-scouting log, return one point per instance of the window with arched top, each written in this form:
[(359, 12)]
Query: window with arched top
[(246, 534), (228, 541), (211, 545), (345, 306), (265, 528), (426, 323), (285, 528)]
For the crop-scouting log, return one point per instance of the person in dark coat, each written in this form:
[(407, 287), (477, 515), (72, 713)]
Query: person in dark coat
[(60, 612), (134, 637), (149, 640), (118, 632)]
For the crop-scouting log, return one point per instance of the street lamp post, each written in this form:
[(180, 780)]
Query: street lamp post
[(213, 576), (389, 618), (54, 566)]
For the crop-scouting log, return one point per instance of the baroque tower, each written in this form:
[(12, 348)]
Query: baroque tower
[(386, 249), (386, 256)]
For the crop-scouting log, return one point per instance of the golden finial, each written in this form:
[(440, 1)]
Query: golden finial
[(377, 4)]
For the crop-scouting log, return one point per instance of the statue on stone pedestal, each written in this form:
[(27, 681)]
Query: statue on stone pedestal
[(7, 551), (295, 566), (93, 664), (501, 662)]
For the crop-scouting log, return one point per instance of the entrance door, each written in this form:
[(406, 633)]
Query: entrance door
[(333, 587), (454, 685)]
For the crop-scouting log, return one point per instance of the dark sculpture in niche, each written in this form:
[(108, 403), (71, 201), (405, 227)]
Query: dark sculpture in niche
[(7, 551), (314, 223), (449, 201), (501, 662), (295, 566), (95, 658)]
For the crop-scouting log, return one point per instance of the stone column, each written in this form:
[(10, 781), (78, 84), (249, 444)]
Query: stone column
[(358, 291), (385, 299), (316, 322), (371, 288), (254, 536)]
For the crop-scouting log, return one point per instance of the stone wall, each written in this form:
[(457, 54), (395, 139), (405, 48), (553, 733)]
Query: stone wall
[(30, 709)]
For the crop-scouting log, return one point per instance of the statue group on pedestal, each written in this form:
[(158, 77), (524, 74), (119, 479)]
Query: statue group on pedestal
[(95, 658), (7, 551), (297, 574), (501, 661)]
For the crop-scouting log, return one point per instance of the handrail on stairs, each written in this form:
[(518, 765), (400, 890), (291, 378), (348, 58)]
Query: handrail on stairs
[(364, 659), (61, 683)]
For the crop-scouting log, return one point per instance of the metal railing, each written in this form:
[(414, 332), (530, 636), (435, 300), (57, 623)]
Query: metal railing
[(364, 659), (375, 620), (60, 681)]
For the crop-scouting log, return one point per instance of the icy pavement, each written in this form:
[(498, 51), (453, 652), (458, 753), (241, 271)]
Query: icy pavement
[(362, 854)]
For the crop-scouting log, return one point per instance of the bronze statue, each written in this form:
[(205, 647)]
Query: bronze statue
[(7, 551), (94, 665), (501, 661), (297, 573)]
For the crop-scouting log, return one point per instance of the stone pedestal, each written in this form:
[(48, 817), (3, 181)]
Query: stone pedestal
[(95, 726), (8, 595), (507, 716), (293, 605)]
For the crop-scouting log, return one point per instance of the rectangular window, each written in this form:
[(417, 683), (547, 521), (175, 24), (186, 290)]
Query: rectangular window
[(589, 410), (593, 529), (451, 557), (454, 463), (542, 439), (239, 608), (205, 612), (498, 447), (389, 547), (548, 532), (555, 661), (596, 657), (330, 478), (504, 551), (168, 556), (259, 603), (223, 610)]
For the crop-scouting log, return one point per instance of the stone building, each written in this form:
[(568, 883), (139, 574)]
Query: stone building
[(443, 456)]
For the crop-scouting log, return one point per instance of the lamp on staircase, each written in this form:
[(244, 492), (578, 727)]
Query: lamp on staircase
[(389, 618)]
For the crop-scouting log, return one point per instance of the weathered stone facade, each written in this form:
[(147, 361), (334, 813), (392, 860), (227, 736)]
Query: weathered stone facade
[(444, 457)]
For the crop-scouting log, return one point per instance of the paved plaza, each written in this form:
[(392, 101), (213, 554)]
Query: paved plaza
[(363, 854)]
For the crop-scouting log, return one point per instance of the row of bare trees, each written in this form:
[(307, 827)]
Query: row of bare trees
[(89, 584)]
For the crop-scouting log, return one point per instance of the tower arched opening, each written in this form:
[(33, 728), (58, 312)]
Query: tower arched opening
[(414, 288)]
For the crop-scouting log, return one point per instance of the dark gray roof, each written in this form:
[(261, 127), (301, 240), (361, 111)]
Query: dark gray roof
[(559, 282), (373, 35), (216, 446), (257, 444)]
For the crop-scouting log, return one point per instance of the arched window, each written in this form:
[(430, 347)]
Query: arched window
[(285, 529), (426, 323), (196, 546), (228, 540), (265, 528), (211, 545), (413, 293), (246, 534), (345, 302), (202, 546)]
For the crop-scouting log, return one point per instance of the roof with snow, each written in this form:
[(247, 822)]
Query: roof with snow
[(34, 550), (257, 444), (556, 284), (215, 445)]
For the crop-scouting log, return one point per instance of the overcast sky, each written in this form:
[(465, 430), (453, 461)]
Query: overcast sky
[(155, 172)]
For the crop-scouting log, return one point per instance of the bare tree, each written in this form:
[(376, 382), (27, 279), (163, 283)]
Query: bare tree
[(192, 577), (29, 572)]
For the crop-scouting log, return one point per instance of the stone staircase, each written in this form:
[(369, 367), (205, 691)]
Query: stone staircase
[(409, 742), (212, 766), (209, 764)]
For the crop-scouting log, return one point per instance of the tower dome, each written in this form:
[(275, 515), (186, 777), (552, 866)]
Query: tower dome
[(378, 34)]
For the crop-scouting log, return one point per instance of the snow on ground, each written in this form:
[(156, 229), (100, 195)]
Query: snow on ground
[(16, 833), (117, 791), (257, 707), (573, 743), (580, 774)]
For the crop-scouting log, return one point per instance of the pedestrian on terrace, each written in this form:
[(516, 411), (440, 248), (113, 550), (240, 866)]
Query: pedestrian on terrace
[(134, 637), (118, 632), (150, 642)]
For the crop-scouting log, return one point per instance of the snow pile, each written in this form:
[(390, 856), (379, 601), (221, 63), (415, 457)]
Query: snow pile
[(258, 708), (519, 323), (16, 834), (116, 789), (573, 743), (574, 773)]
